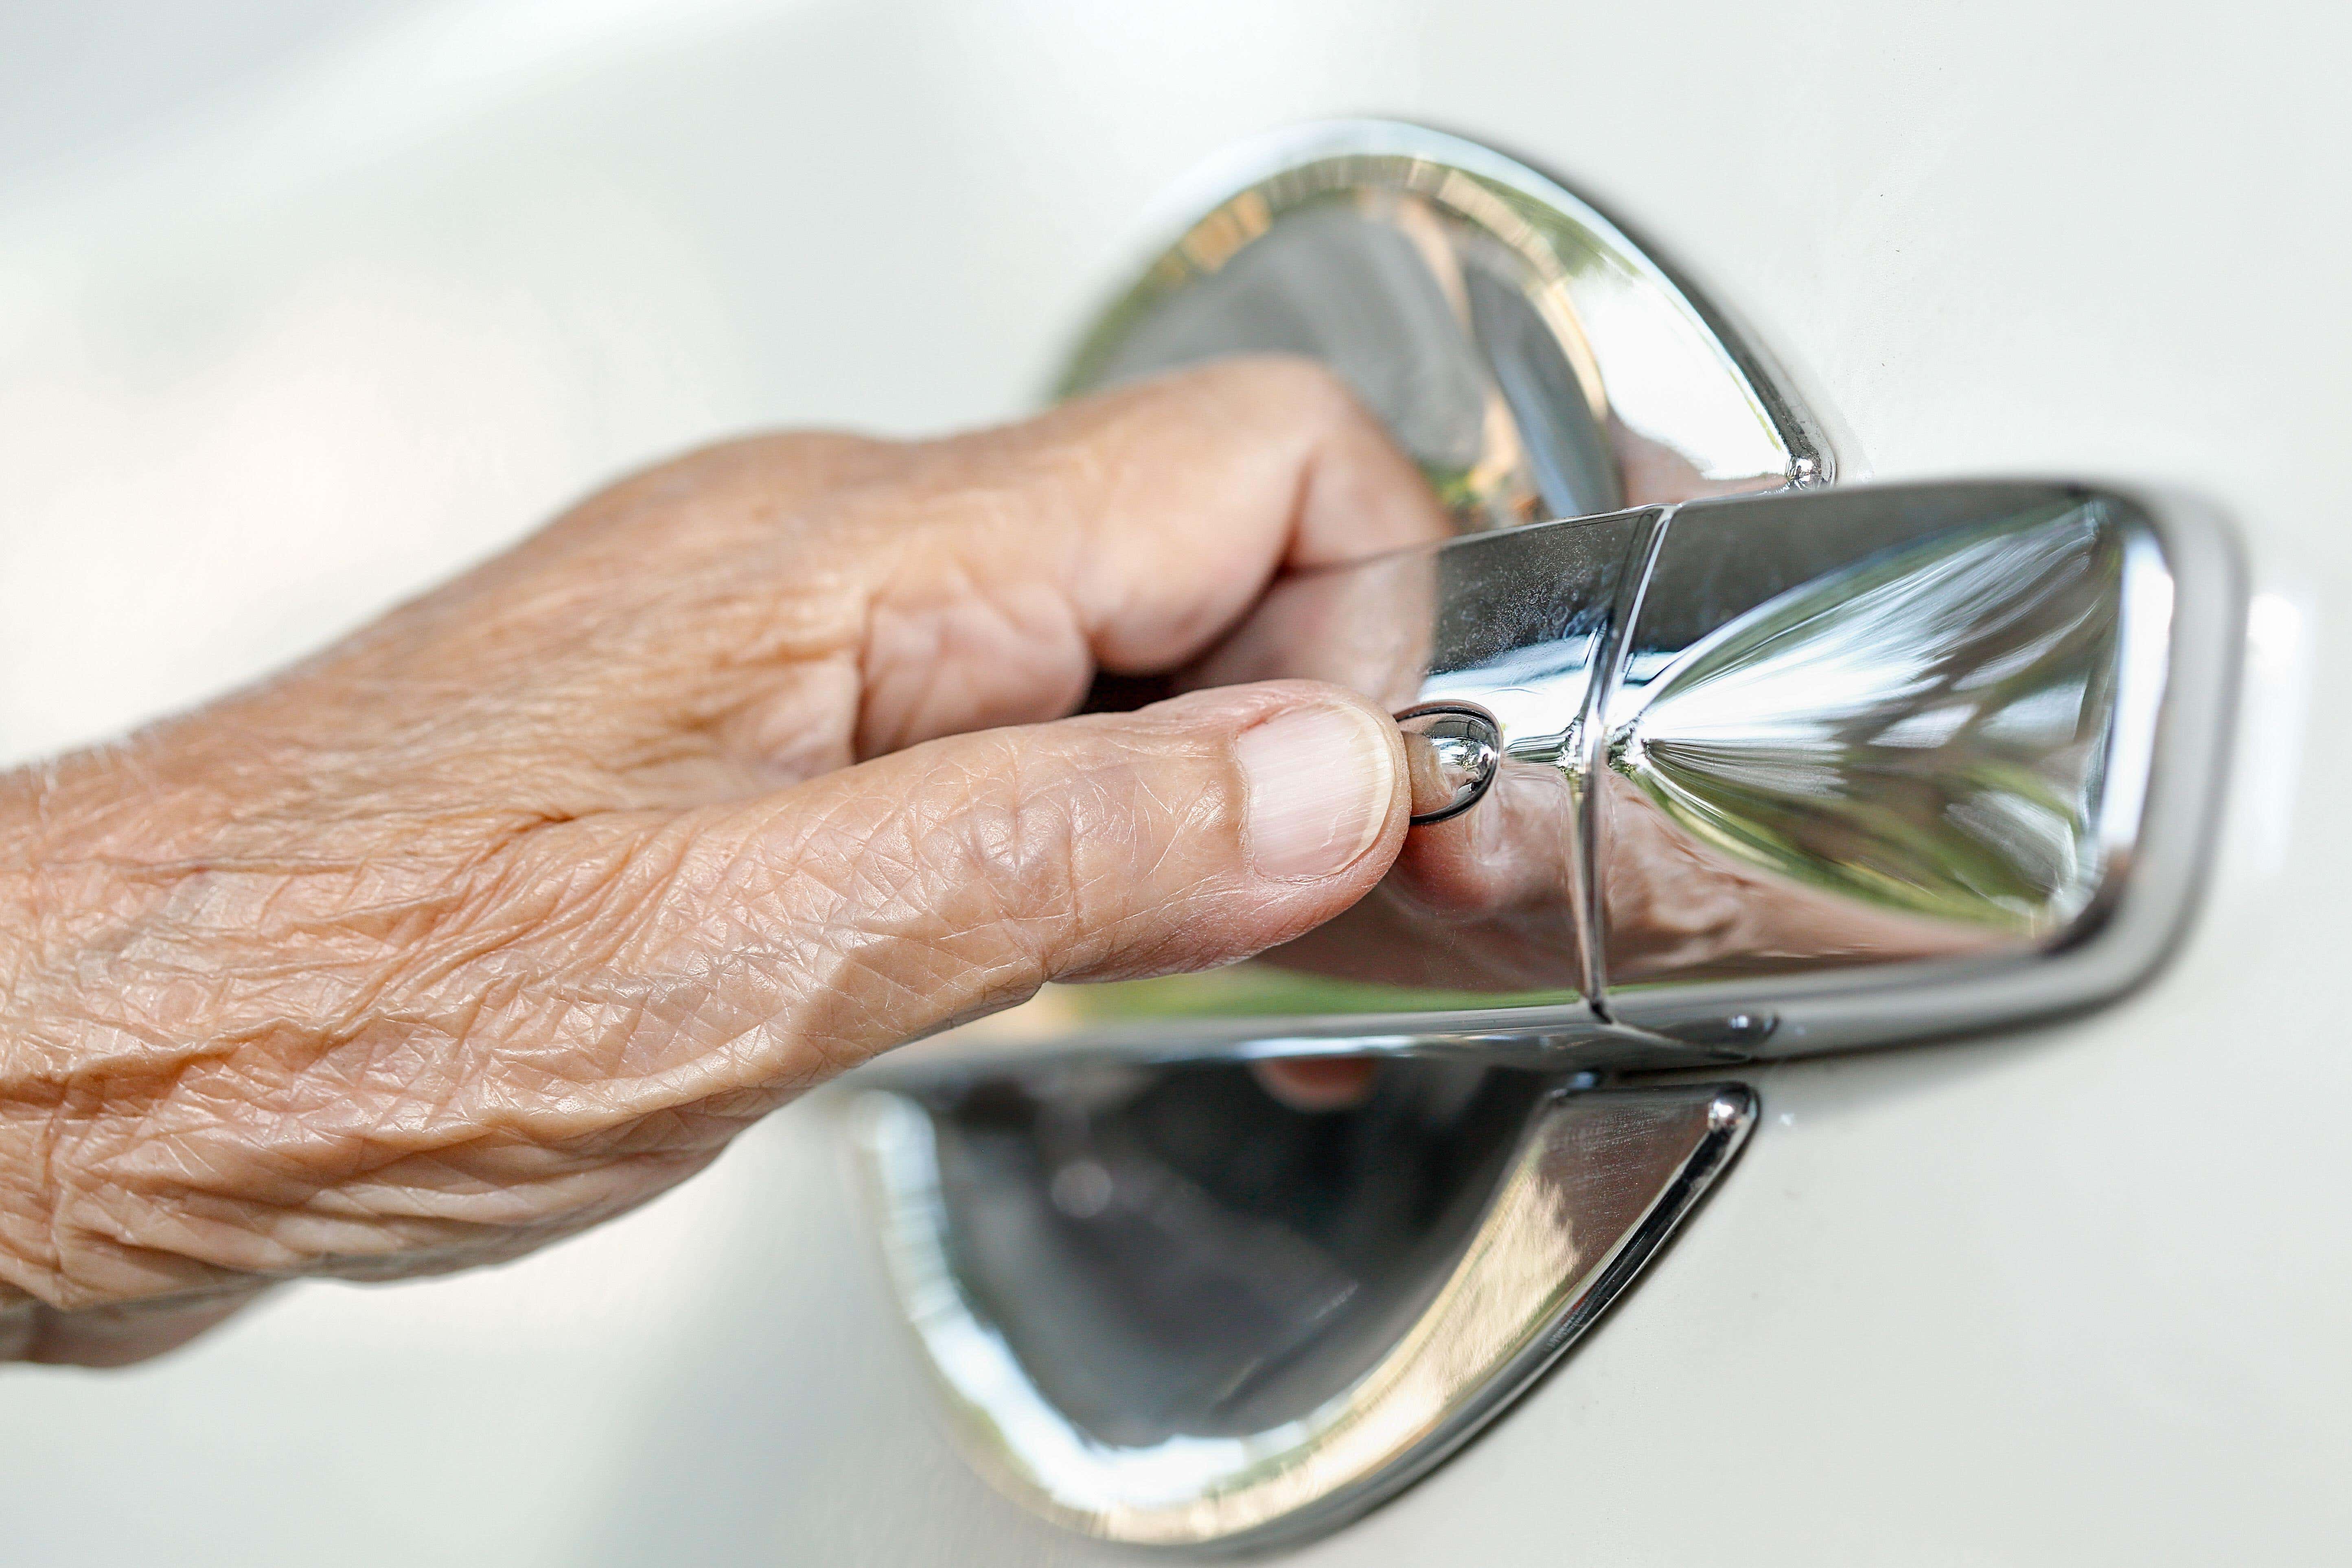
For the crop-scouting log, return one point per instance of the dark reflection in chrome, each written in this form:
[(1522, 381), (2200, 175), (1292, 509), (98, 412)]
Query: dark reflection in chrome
[(1168, 1306), (1181, 1254)]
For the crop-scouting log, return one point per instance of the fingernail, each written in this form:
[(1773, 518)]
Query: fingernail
[(1319, 780)]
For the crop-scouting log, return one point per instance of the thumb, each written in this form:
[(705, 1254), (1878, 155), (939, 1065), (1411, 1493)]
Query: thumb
[(878, 903)]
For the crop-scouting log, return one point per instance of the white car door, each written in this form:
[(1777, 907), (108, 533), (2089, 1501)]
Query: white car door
[(322, 321)]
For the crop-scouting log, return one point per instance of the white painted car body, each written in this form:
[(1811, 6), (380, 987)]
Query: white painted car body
[(307, 336)]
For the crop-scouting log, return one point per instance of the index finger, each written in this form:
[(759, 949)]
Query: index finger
[(1127, 531)]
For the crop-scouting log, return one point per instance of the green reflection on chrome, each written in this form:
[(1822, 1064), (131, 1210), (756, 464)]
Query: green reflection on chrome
[(1263, 990)]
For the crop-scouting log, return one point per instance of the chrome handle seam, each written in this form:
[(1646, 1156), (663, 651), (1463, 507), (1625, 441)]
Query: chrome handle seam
[(1592, 756)]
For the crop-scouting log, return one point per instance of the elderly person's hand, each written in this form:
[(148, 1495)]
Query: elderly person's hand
[(506, 913)]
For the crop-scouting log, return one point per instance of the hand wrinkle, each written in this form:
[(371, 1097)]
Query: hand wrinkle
[(493, 921)]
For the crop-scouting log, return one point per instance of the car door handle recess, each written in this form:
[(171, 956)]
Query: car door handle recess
[(1726, 762)]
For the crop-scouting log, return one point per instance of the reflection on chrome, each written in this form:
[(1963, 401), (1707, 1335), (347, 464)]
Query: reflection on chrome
[(1533, 359), (1487, 903), (1165, 1309), (1926, 730), (1451, 753)]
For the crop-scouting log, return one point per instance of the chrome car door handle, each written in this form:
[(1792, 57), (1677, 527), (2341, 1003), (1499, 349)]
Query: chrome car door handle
[(1794, 743)]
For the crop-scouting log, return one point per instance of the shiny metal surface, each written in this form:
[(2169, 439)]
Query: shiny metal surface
[(1934, 759), (1452, 752), (1779, 774), (1534, 359), (1166, 1310), (1488, 903), (1934, 740)]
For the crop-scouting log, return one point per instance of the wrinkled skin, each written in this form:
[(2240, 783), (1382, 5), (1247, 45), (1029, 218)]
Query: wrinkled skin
[(508, 913)]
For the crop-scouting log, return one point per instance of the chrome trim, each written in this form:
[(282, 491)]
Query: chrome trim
[(1596, 1182), (1535, 359)]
